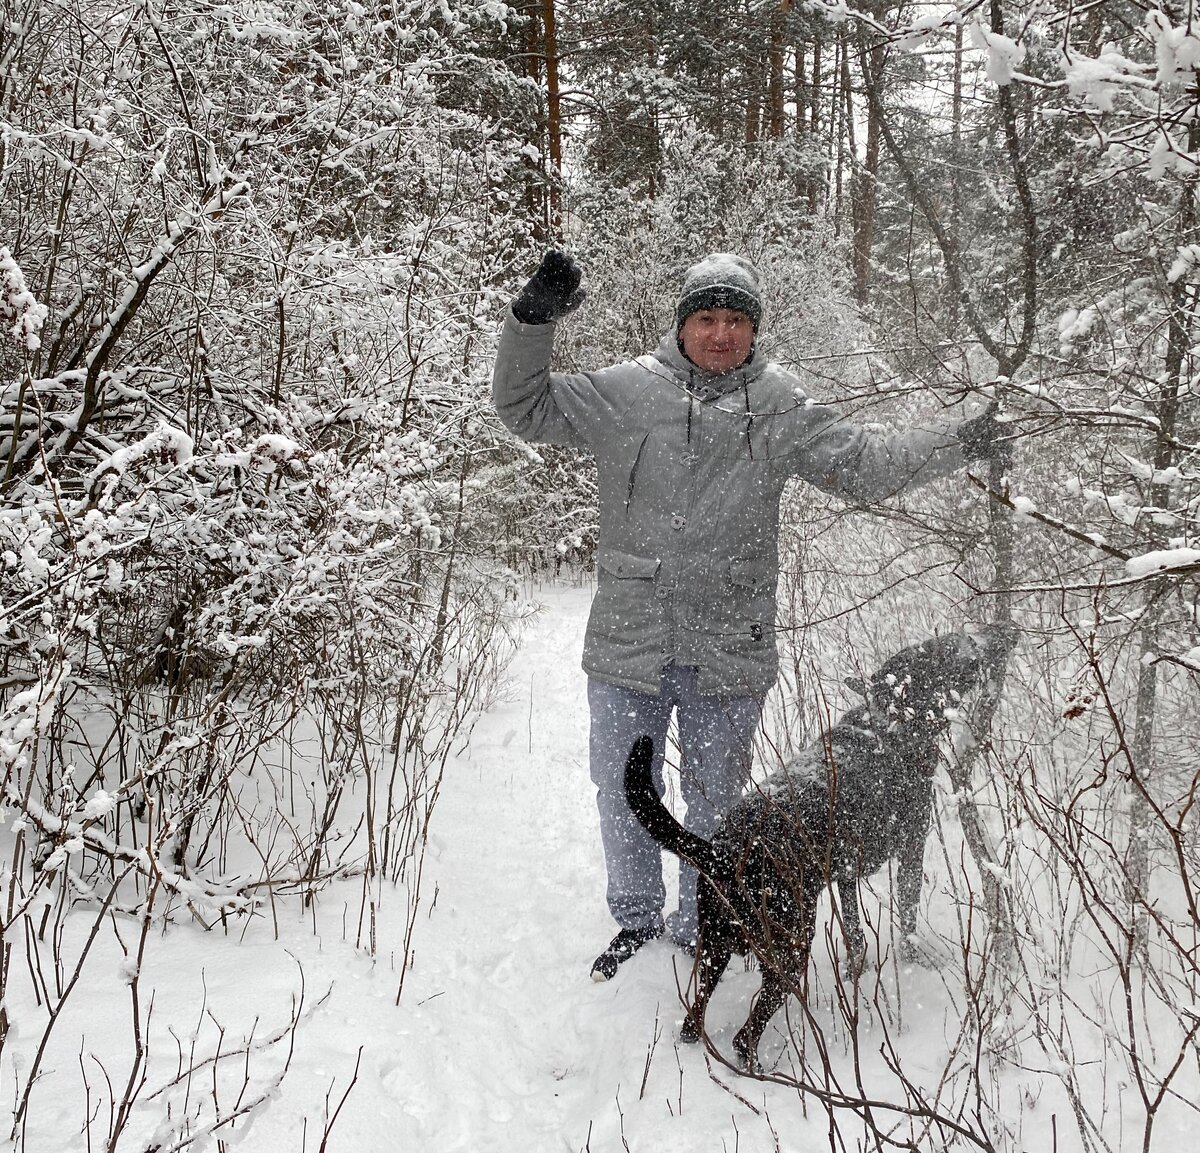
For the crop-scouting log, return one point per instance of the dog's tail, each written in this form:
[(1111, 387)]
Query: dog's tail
[(656, 818)]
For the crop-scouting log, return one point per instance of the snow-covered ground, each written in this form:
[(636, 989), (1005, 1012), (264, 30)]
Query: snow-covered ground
[(499, 1041)]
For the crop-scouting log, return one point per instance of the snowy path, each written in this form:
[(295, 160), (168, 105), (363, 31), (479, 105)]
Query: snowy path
[(529, 1053)]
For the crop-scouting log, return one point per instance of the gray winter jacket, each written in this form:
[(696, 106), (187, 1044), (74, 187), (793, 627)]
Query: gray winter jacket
[(691, 470)]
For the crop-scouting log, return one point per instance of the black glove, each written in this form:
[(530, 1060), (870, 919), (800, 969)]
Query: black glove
[(981, 437), (552, 291)]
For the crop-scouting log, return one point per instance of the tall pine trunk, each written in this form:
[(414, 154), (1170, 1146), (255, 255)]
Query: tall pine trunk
[(775, 55), (1181, 315), (864, 184), (954, 224), (553, 116)]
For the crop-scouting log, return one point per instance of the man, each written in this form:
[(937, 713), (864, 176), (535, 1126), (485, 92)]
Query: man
[(693, 444)]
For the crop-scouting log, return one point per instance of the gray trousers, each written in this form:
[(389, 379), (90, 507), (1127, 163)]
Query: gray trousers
[(715, 735)]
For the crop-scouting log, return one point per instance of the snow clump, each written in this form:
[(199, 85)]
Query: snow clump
[(19, 308)]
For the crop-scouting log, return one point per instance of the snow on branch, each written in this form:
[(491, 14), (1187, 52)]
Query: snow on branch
[(1003, 54), (1164, 562), (19, 308), (177, 233), (71, 837), (1101, 79), (165, 442)]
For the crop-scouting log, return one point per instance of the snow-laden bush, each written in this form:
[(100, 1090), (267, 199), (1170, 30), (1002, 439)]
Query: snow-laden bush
[(248, 600)]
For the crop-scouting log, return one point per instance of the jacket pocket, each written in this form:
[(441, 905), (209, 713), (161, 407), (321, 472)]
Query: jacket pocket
[(626, 614), (747, 611), (618, 462), (627, 565), (751, 574), (632, 456)]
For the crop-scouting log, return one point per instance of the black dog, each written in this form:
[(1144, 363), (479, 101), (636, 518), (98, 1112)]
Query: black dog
[(839, 811)]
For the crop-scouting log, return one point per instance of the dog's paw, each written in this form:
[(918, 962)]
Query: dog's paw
[(689, 1032), (746, 1049), (853, 966), (914, 951)]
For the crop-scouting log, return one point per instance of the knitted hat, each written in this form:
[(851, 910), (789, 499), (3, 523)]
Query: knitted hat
[(720, 280)]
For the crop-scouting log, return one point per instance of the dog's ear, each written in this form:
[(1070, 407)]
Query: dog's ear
[(856, 685)]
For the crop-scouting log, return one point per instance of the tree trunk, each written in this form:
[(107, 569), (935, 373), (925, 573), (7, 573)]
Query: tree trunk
[(800, 82), (847, 153), (756, 67), (814, 114), (864, 196), (553, 116), (775, 73), (1182, 306), (954, 226), (653, 110), (535, 178), (808, 187)]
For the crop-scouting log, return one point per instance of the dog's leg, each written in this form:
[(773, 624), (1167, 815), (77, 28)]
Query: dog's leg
[(767, 1003), (856, 941), (909, 879), (712, 959), (778, 982)]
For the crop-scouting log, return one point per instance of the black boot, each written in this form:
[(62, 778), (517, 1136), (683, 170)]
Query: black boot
[(620, 949)]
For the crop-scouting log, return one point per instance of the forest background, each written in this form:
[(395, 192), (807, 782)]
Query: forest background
[(253, 259)]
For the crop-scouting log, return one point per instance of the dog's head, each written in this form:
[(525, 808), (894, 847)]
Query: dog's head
[(911, 695)]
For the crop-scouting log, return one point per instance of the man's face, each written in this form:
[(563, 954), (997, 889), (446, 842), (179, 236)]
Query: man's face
[(717, 339)]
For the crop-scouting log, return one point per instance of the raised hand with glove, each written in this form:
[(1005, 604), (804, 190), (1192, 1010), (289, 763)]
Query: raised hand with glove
[(983, 437), (551, 292)]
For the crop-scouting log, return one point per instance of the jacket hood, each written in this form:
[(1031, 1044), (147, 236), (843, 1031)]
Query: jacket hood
[(707, 385)]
